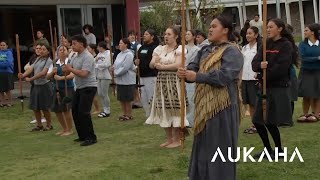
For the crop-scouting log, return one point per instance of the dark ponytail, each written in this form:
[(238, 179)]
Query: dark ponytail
[(315, 28), (153, 33), (256, 31), (226, 23)]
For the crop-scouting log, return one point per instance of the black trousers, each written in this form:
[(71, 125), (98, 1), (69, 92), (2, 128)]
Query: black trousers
[(81, 112)]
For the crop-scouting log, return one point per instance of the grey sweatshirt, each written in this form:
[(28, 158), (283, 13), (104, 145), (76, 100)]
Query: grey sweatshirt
[(124, 69), (103, 63)]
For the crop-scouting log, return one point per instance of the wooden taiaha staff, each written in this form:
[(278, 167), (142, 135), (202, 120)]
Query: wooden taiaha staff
[(54, 60), (21, 97), (53, 38), (264, 59), (182, 81), (113, 84), (33, 38), (137, 57)]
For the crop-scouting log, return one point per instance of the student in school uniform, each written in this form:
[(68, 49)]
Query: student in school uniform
[(64, 85), (249, 85), (42, 92), (309, 77), (279, 59)]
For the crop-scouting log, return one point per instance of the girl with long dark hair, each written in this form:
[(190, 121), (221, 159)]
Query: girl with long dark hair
[(309, 77), (147, 75), (279, 59), (249, 85)]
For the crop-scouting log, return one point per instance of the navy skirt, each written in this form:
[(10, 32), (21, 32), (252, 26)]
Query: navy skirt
[(6, 82), (309, 84), (125, 93), (41, 97), (278, 107), (249, 90)]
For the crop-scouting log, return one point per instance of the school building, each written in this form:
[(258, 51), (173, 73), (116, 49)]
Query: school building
[(68, 16)]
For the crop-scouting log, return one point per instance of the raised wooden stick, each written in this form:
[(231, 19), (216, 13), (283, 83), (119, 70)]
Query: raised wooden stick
[(21, 97), (55, 40), (54, 61), (182, 84), (264, 53), (33, 38), (52, 42)]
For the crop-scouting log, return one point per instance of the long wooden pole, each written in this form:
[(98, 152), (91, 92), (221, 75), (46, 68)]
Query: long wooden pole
[(33, 38), (137, 57), (52, 42), (264, 33), (21, 97), (113, 84), (55, 40), (182, 84)]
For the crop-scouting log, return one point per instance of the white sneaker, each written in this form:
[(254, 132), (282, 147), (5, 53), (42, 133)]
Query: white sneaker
[(43, 120), (33, 121)]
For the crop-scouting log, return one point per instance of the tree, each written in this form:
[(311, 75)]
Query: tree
[(199, 14), (160, 16), (202, 13)]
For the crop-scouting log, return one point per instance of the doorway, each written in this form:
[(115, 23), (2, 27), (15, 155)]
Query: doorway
[(71, 19)]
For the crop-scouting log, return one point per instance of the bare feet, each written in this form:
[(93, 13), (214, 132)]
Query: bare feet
[(59, 133), (247, 113), (67, 133), (174, 145), (165, 144)]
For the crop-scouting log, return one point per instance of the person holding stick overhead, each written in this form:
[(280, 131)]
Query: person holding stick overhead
[(42, 92), (279, 51), (65, 89), (147, 75), (215, 70), (82, 66), (165, 106)]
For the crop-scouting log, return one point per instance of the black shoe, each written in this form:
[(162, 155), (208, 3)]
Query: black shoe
[(37, 128), (48, 128), (78, 140), (285, 125), (135, 106), (257, 155), (103, 114), (88, 142)]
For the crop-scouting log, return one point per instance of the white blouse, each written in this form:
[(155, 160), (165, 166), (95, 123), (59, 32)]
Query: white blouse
[(248, 55)]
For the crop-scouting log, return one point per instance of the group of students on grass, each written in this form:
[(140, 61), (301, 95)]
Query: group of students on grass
[(221, 76)]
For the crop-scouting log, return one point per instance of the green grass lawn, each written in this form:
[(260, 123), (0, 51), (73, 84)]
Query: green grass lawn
[(130, 151)]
